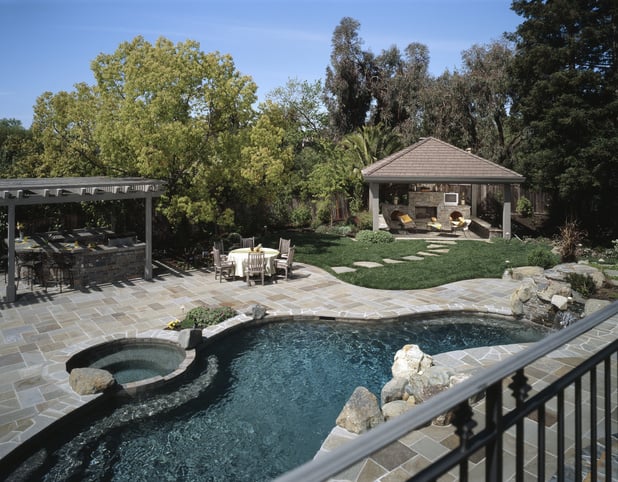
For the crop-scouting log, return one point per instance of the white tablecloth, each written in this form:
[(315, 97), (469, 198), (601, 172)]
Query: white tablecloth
[(240, 256)]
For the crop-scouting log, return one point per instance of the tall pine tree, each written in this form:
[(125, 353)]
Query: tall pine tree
[(565, 87)]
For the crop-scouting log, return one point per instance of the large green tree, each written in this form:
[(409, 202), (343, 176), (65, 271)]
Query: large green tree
[(163, 110), (565, 86)]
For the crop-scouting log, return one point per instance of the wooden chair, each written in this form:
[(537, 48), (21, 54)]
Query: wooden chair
[(227, 267), (247, 242), (285, 264), (256, 265), (219, 245), (284, 247)]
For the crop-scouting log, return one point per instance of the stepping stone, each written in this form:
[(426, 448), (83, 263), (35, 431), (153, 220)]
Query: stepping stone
[(425, 253), (342, 269), (445, 241), (436, 246), (368, 264), (412, 258), (391, 261), (442, 250)]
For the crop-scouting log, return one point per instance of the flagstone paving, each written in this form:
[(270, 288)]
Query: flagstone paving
[(42, 330)]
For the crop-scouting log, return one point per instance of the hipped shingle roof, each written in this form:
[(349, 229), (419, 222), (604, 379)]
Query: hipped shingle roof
[(432, 160)]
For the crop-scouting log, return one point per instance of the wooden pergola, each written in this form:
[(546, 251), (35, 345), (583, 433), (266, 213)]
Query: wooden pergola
[(432, 161), (33, 191)]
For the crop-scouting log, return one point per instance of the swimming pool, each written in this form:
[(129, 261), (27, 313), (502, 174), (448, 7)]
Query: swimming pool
[(268, 406)]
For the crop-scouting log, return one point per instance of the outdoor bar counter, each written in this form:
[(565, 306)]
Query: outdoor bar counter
[(94, 256)]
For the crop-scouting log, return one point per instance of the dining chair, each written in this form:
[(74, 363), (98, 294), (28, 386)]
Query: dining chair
[(256, 265), (284, 247), (219, 245), (247, 242), (285, 264), (227, 267)]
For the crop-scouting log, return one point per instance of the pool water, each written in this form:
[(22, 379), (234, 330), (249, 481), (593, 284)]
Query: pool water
[(267, 408)]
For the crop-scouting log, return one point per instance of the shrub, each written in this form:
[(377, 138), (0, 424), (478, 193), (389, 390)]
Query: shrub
[(582, 283), (543, 257), (204, 316), (323, 212), (524, 207), (571, 237), (364, 220), (374, 237), (338, 230), (301, 216)]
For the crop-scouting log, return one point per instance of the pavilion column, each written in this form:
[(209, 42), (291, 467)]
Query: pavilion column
[(11, 289), (374, 204), (474, 200), (148, 240), (506, 212)]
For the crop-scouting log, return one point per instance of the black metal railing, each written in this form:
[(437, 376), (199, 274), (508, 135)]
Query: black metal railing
[(573, 417)]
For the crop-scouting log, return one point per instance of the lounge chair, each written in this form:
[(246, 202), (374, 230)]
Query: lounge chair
[(407, 222), (434, 225), (461, 224)]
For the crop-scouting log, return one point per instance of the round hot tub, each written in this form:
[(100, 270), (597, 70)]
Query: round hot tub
[(137, 364)]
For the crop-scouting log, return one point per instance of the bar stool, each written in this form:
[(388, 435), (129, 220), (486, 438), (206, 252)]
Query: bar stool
[(62, 270), (30, 269)]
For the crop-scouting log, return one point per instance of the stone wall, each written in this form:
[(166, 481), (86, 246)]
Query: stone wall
[(106, 264)]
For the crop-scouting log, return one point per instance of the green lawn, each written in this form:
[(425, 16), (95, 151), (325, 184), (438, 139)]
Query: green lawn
[(466, 259)]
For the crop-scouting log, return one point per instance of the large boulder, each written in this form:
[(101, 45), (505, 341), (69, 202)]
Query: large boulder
[(409, 361), (396, 407), (88, 381), (395, 389), (361, 412)]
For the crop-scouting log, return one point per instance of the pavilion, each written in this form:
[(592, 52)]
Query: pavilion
[(33, 191), (432, 161)]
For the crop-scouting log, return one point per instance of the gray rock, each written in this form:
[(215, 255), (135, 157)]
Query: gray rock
[(88, 381), (409, 361), (524, 272), (258, 312), (593, 305), (395, 389), (395, 408), (361, 412), (189, 338), (560, 302), (438, 376)]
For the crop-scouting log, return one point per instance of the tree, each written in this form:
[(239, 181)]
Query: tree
[(364, 147), (397, 85), (565, 86), (348, 94), (14, 141), (168, 111)]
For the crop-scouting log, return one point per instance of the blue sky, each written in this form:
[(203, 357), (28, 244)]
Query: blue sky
[(47, 45)]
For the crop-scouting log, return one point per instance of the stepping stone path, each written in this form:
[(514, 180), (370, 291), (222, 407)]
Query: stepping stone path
[(433, 249)]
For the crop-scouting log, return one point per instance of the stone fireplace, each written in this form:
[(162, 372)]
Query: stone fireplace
[(424, 205)]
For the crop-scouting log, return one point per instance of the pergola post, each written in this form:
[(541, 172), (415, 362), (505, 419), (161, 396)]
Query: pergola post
[(506, 212), (374, 204), (11, 289), (148, 240)]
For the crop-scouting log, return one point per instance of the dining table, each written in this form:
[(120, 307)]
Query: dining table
[(241, 255)]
